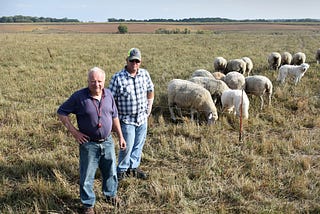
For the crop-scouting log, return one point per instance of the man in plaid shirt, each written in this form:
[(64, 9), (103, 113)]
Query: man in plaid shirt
[(133, 91)]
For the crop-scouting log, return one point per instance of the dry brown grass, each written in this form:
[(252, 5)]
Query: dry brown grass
[(193, 168)]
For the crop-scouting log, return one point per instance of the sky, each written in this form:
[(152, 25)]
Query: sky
[(101, 10)]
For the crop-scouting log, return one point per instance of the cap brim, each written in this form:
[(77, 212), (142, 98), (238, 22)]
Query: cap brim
[(134, 57)]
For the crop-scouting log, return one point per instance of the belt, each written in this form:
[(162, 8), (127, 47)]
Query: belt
[(99, 140)]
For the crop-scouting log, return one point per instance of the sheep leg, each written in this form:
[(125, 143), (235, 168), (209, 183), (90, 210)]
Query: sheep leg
[(279, 77), (172, 113), (282, 79), (261, 101), (192, 114), (179, 112), (269, 99), (237, 110)]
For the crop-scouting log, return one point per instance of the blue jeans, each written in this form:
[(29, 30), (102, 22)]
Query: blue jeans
[(92, 156), (135, 137)]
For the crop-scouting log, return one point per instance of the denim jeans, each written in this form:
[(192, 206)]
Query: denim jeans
[(92, 156), (135, 137)]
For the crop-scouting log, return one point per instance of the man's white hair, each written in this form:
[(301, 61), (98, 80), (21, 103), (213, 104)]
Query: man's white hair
[(95, 69)]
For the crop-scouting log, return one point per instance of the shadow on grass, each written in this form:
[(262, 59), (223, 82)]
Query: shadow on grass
[(34, 187)]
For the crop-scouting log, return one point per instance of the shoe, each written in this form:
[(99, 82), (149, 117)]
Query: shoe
[(138, 173), (121, 175), (88, 210), (115, 201)]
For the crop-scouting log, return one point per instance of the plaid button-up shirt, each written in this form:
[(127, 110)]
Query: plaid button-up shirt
[(130, 94)]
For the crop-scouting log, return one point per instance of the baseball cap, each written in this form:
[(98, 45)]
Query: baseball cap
[(134, 53)]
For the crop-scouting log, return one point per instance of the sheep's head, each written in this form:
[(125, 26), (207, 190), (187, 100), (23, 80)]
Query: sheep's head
[(305, 66), (212, 117)]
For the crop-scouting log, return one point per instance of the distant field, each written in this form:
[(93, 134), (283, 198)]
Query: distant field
[(151, 27)]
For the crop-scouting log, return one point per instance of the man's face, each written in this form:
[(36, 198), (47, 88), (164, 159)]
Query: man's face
[(96, 83), (133, 65)]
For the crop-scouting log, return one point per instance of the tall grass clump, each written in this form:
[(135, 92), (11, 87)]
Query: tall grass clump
[(194, 168)]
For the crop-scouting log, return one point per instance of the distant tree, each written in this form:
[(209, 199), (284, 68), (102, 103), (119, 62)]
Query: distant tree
[(122, 29), (25, 19)]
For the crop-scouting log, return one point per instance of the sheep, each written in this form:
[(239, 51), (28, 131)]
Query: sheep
[(274, 60), (318, 56), (215, 87), (297, 71), (298, 58), (219, 64), (201, 73), (259, 85), (286, 58), (233, 99), (218, 75), (186, 94), (236, 65), (234, 80), (249, 64)]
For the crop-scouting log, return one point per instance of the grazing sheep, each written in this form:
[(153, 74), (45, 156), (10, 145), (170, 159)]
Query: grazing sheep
[(249, 64), (218, 75), (298, 58), (318, 56), (186, 94), (232, 101), (297, 71), (215, 87), (274, 60), (201, 73), (219, 64), (286, 58), (259, 85), (234, 80), (236, 65)]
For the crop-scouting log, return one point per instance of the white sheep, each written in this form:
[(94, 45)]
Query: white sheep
[(215, 87), (232, 100), (259, 85), (286, 58), (234, 80), (274, 60), (297, 71), (249, 65), (318, 56), (186, 94), (298, 58), (236, 65), (201, 73), (219, 64)]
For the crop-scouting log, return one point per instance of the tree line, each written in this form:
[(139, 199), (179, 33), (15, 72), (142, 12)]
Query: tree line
[(214, 20), (30, 19)]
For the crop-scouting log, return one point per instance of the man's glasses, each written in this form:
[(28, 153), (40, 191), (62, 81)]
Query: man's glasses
[(134, 60)]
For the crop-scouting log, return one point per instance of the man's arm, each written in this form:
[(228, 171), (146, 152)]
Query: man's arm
[(150, 97), (80, 137), (117, 128)]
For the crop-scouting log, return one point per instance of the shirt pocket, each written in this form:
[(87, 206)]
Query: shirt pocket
[(127, 92)]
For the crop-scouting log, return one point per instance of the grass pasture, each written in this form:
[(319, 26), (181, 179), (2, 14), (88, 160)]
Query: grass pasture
[(193, 168)]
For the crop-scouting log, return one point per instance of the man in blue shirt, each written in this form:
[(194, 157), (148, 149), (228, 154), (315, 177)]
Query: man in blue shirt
[(133, 91), (97, 116)]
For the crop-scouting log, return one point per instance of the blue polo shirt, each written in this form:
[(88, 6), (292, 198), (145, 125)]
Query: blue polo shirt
[(87, 111)]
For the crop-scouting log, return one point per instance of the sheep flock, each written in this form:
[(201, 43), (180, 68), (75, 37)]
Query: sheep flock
[(232, 84)]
